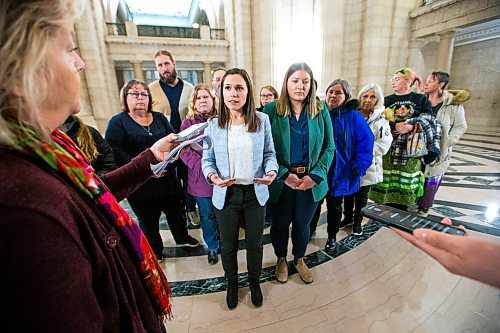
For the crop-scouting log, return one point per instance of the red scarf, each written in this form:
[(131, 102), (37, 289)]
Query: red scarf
[(63, 156)]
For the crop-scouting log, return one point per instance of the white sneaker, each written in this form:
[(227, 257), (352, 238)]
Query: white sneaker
[(412, 208), (423, 211), (194, 217)]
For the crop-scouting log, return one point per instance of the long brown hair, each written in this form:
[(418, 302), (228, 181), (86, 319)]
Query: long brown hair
[(284, 106), (85, 140), (251, 120)]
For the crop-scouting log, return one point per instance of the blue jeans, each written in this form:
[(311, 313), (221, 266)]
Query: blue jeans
[(209, 225)]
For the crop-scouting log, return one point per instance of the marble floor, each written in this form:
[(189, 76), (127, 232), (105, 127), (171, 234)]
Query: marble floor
[(376, 282)]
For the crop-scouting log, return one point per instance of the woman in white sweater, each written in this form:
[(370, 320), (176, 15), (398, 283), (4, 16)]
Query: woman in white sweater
[(449, 112), (371, 100)]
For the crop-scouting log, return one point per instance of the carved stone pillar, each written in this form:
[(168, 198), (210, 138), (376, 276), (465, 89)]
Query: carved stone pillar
[(445, 50), (415, 58), (138, 73), (207, 73)]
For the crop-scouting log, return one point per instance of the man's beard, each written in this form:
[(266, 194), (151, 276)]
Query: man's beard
[(169, 79)]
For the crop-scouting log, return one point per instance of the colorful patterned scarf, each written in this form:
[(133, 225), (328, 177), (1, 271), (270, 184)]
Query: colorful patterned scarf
[(64, 157)]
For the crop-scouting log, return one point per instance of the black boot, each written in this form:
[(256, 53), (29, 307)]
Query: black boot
[(256, 293), (232, 294)]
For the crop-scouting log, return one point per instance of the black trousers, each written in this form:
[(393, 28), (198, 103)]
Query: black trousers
[(148, 213), (354, 203), (333, 215), (241, 202)]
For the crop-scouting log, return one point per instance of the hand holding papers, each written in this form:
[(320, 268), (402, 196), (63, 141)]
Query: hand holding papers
[(186, 138)]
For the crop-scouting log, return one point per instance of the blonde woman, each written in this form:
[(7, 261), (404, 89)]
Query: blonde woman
[(403, 179), (202, 108), (93, 270)]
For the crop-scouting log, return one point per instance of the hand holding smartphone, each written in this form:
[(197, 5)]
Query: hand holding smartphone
[(406, 221)]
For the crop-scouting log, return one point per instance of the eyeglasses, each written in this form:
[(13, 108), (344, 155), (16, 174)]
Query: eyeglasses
[(267, 96), (136, 95)]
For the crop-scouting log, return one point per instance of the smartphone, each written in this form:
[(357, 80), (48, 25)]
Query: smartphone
[(406, 221)]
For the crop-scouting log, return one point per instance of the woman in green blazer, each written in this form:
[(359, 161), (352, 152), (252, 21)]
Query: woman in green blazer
[(303, 140)]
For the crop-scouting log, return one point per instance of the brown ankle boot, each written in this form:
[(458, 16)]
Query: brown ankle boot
[(281, 270), (304, 272)]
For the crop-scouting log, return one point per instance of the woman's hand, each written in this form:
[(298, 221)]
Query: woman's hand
[(162, 147), (293, 181), (403, 128), (267, 180), (467, 256), (222, 182), (306, 184)]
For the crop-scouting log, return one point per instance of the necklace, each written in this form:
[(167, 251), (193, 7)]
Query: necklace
[(147, 129)]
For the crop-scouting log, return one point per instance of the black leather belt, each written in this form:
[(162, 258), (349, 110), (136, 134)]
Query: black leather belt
[(299, 170)]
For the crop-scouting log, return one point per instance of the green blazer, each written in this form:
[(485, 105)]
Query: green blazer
[(321, 149)]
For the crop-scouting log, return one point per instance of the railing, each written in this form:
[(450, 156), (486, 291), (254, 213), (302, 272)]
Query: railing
[(116, 29), (218, 34), (159, 31)]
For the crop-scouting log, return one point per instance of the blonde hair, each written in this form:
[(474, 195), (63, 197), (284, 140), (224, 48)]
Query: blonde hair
[(85, 140), (410, 76), (192, 109), (313, 106), (25, 30)]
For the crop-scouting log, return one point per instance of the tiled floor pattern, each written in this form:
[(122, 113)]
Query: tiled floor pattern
[(374, 283)]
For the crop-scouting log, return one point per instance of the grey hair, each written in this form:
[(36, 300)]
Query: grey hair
[(345, 87), (378, 92)]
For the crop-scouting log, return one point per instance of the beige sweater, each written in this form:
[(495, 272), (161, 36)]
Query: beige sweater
[(160, 100)]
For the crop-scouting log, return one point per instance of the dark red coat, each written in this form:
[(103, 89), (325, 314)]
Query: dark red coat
[(62, 264)]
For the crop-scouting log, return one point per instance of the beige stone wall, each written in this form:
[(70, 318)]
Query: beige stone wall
[(476, 67), (360, 40), (99, 100)]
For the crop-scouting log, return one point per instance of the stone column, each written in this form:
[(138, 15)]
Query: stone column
[(205, 32), (207, 73), (333, 19), (264, 35), (415, 58), (138, 73), (131, 29), (445, 50), (239, 33), (99, 96)]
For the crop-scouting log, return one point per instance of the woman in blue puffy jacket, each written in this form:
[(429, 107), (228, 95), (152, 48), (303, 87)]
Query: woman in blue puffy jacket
[(353, 155)]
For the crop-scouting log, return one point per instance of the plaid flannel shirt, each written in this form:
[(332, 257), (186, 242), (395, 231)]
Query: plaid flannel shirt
[(432, 131)]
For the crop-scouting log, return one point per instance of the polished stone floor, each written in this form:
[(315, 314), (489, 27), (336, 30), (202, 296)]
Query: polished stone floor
[(374, 283)]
